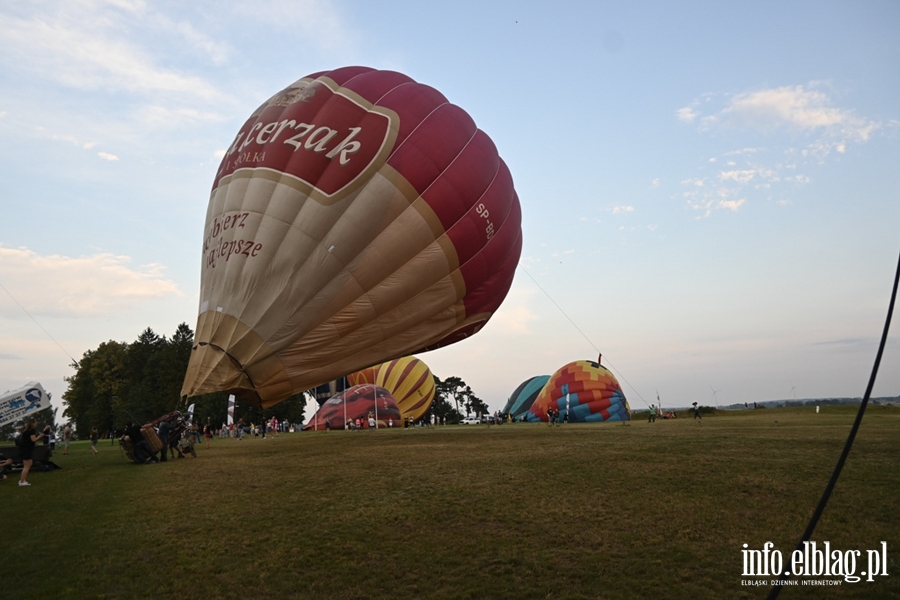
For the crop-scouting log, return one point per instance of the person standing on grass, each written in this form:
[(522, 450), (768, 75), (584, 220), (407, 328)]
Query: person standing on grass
[(208, 431), (697, 412), (165, 432), (48, 438), (29, 438), (67, 438), (95, 435)]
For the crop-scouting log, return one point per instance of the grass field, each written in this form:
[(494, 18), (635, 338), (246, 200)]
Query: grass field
[(631, 510)]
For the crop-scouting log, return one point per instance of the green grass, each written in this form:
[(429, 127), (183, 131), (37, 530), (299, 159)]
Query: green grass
[(519, 511)]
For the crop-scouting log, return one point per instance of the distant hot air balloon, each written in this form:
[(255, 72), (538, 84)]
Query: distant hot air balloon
[(524, 396), (357, 402), (589, 391), (357, 217), (408, 379)]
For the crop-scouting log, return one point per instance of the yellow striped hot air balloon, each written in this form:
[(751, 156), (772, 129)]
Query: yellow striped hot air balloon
[(409, 381)]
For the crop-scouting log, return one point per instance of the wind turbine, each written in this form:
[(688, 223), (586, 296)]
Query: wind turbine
[(714, 396), (793, 391)]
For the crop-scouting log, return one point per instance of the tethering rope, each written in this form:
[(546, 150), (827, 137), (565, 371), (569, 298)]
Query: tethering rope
[(776, 589), (584, 335)]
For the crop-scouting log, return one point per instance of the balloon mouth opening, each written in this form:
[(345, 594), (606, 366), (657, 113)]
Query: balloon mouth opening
[(246, 393), (229, 356)]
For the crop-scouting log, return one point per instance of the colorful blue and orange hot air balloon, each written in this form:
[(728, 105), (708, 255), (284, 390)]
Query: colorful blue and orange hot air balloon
[(357, 217), (587, 390)]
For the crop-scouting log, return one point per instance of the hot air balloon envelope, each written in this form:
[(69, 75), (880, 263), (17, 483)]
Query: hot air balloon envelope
[(408, 379), (589, 393), (357, 402), (524, 396), (357, 217)]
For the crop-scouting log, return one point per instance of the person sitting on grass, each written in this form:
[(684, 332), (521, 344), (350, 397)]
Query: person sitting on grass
[(5, 465)]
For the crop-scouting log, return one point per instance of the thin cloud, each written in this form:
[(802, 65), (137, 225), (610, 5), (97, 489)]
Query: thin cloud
[(739, 176), (84, 286), (92, 57), (782, 116), (686, 114), (709, 200), (800, 110), (796, 107), (732, 205), (107, 156)]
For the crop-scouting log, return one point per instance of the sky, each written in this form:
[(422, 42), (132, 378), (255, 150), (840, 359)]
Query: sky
[(710, 192)]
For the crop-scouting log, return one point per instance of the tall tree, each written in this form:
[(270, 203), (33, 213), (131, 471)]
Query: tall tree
[(455, 389), (93, 396), (173, 361), (140, 397), (441, 408), (119, 382)]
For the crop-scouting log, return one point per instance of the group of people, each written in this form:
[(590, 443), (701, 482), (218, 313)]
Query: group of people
[(553, 416), (237, 430), (657, 412), (359, 423), (172, 438), (68, 434), (27, 440)]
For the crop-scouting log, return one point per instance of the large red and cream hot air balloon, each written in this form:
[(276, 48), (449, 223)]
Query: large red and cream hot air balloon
[(357, 217)]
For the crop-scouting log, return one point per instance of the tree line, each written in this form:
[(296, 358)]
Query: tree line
[(118, 382)]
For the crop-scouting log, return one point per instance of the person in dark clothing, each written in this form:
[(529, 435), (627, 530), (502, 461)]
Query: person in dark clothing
[(142, 452), (27, 441), (165, 431)]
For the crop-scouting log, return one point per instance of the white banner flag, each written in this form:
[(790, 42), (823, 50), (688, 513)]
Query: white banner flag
[(18, 404), (230, 409)]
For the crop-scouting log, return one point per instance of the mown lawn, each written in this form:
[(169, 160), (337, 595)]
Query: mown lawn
[(631, 510)]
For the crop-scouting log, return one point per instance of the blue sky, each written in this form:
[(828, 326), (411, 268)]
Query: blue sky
[(710, 191)]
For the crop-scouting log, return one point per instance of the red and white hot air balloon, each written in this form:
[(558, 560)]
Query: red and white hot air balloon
[(357, 217)]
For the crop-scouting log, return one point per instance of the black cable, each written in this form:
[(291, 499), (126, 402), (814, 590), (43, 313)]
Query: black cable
[(776, 589)]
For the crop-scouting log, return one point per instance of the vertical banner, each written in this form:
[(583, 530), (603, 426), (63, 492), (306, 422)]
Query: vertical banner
[(230, 410)]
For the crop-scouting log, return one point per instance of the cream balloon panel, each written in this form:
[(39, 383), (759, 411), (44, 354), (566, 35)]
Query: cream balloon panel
[(363, 279)]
